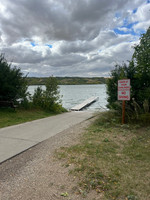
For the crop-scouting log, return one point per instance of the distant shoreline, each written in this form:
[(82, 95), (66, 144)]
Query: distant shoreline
[(67, 80)]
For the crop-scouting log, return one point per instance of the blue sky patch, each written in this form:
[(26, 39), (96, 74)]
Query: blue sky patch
[(135, 10), (148, 1), (33, 44), (49, 45), (128, 27), (122, 32)]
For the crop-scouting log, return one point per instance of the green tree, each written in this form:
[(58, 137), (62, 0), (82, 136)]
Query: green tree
[(141, 59), (138, 71), (12, 83), (50, 98), (120, 72), (52, 90), (38, 97)]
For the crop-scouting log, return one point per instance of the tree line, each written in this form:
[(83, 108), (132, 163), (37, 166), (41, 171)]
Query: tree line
[(67, 80)]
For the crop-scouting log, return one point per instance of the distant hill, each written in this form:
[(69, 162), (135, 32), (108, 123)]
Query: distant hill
[(67, 80)]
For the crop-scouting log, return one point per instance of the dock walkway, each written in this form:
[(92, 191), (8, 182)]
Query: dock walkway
[(85, 104)]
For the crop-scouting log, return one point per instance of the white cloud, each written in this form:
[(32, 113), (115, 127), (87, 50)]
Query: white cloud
[(142, 16), (81, 34), (124, 29)]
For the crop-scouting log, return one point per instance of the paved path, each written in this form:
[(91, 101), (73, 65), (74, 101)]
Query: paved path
[(18, 138)]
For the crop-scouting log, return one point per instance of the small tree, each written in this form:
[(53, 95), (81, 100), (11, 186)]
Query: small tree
[(12, 83), (120, 72), (38, 97), (52, 90), (50, 98)]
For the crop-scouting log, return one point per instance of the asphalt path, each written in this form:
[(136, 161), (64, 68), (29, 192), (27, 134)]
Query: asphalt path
[(18, 138)]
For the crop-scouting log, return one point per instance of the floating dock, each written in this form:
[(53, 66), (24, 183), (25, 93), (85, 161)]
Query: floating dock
[(85, 104)]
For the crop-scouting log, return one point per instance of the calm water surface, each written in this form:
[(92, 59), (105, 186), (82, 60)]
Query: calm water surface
[(76, 94)]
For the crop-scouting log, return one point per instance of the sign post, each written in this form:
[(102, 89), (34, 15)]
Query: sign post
[(123, 94), (123, 111)]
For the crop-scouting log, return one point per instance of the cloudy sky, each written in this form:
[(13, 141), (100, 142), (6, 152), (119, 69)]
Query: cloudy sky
[(71, 37)]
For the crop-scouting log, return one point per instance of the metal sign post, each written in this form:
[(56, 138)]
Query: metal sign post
[(123, 94), (123, 111)]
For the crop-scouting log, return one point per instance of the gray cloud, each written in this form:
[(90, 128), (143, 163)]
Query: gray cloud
[(80, 20), (76, 47), (81, 34), (23, 55)]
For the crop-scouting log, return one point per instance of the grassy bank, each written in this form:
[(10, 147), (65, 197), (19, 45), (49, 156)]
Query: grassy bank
[(10, 117), (112, 159)]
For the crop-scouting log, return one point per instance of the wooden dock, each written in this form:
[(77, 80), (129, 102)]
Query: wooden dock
[(85, 104)]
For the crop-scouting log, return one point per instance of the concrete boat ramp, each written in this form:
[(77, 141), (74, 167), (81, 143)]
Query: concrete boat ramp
[(85, 104), (18, 138)]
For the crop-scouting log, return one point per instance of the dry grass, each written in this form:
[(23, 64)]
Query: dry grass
[(112, 159)]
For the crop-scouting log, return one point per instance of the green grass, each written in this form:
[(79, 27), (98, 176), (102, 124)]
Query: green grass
[(112, 159), (10, 117)]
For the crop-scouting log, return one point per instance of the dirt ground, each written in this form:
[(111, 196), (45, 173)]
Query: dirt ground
[(36, 175)]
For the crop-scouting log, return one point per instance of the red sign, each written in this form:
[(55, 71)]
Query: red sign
[(124, 89)]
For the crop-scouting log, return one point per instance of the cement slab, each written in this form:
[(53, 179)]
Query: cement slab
[(18, 138)]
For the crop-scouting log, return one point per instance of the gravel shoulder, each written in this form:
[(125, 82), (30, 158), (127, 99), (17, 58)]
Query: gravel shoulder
[(36, 175)]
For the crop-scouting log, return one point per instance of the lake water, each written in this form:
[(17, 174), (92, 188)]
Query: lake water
[(76, 94)]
